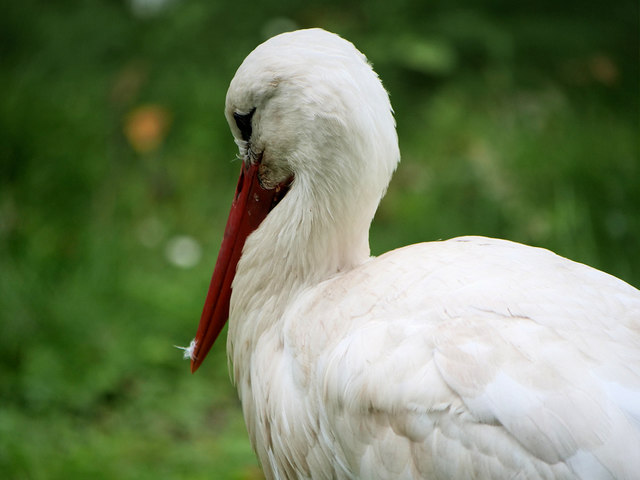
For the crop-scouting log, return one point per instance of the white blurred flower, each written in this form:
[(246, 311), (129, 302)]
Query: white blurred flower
[(149, 8), (183, 251)]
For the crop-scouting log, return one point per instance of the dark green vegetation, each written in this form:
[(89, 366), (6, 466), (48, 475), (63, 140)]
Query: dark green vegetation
[(515, 121)]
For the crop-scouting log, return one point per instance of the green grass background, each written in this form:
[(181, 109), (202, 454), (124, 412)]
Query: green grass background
[(516, 120)]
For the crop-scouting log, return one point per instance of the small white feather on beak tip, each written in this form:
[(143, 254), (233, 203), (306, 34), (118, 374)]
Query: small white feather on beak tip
[(188, 351)]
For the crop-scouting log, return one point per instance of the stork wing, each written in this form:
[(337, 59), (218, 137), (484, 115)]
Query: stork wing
[(464, 364)]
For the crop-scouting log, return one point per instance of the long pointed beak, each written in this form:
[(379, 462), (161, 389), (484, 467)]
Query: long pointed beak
[(250, 206)]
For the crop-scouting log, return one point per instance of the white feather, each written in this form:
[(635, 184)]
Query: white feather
[(187, 353)]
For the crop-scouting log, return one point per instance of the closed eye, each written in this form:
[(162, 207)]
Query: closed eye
[(243, 121)]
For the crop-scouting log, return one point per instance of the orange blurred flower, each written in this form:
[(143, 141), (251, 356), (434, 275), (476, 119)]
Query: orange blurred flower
[(146, 127)]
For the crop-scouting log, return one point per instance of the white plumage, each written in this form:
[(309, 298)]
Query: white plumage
[(468, 358)]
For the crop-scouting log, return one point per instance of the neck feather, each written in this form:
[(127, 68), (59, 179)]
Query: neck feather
[(309, 237)]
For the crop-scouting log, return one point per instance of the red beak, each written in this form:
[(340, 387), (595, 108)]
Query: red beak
[(250, 206)]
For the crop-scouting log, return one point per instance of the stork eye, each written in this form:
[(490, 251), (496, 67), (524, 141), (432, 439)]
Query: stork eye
[(243, 121)]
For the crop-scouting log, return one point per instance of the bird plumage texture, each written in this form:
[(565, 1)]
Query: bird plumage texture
[(467, 358)]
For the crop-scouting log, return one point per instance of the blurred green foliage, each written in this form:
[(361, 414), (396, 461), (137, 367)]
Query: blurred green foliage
[(516, 120)]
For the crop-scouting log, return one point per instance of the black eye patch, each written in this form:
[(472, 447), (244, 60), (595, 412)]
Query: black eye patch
[(243, 121)]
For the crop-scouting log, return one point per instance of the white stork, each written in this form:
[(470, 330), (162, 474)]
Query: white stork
[(471, 358)]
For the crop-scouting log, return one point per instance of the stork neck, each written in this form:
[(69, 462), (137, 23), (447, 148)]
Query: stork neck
[(300, 244)]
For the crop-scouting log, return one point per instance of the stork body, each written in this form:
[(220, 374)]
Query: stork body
[(468, 358)]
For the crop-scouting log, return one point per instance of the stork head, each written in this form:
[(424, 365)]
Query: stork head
[(309, 115), (305, 100)]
